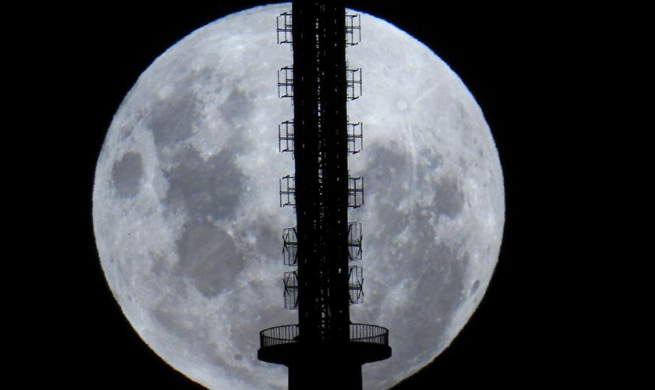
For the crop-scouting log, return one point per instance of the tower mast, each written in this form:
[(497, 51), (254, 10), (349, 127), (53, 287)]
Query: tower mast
[(325, 349)]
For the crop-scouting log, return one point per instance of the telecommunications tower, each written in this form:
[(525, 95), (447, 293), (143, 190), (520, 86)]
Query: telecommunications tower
[(325, 350)]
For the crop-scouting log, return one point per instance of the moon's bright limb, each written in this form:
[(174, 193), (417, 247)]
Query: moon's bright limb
[(186, 209)]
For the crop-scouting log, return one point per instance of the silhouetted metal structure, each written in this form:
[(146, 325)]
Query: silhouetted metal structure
[(324, 350)]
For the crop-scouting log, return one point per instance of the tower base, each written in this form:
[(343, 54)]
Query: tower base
[(318, 367), (325, 372)]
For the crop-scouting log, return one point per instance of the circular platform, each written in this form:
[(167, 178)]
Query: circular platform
[(282, 345)]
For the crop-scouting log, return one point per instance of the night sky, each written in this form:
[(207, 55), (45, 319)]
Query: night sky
[(530, 69)]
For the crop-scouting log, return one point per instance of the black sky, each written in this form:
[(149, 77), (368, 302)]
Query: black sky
[(533, 70)]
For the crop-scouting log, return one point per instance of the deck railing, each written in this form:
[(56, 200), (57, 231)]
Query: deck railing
[(373, 334), (288, 334), (284, 334)]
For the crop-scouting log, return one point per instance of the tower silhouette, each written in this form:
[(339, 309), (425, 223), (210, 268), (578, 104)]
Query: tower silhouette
[(325, 349)]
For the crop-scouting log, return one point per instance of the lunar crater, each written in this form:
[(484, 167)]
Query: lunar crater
[(474, 287), (384, 178), (172, 322), (171, 120), (237, 109), (127, 174), (209, 258), (211, 187), (449, 197)]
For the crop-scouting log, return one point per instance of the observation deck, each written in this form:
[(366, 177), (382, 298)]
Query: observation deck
[(367, 344)]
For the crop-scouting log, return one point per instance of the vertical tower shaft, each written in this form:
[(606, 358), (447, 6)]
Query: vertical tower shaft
[(321, 158)]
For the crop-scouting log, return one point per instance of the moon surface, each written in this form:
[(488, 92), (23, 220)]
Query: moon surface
[(186, 206)]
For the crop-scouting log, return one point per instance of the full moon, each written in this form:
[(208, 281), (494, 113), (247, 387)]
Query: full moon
[(187, 215)]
